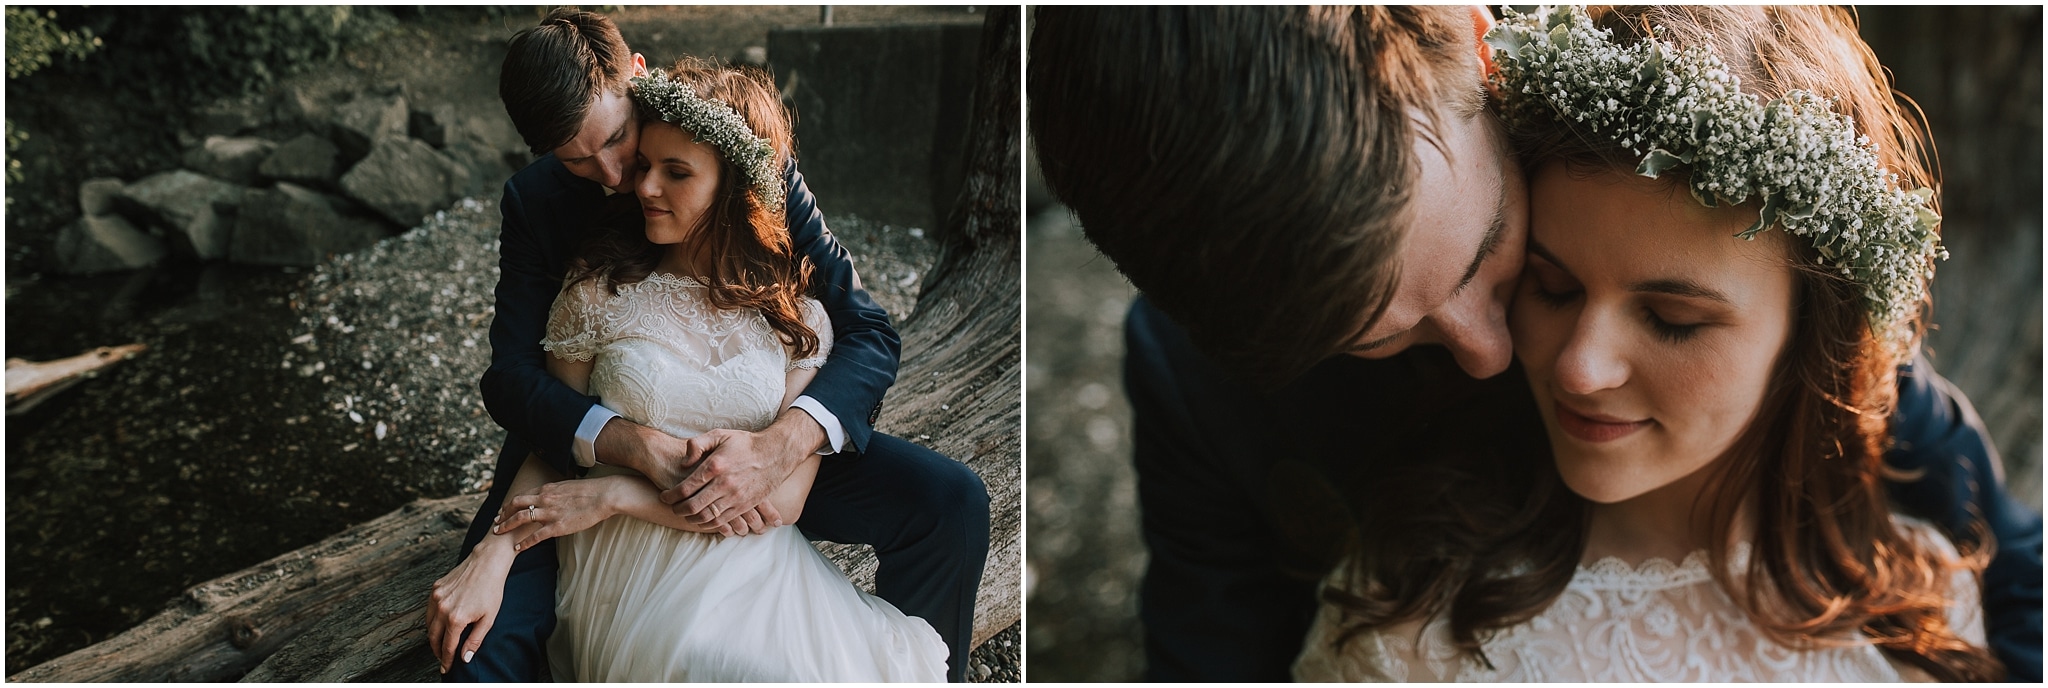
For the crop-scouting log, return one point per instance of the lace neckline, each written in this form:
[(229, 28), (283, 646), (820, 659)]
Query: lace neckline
[(1655, 573), (674, 279)]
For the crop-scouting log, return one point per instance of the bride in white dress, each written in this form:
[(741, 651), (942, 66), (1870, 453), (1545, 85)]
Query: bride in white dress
[(1711, 506), (686, 313)]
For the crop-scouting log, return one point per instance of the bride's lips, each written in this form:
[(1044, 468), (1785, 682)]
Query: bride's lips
[(1596, 428), (651, 211)]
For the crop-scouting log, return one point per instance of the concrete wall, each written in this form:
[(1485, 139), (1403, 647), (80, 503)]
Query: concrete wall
[(881, 114)]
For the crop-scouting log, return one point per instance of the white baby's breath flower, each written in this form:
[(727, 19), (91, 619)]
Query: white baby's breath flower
[(1815, 175)]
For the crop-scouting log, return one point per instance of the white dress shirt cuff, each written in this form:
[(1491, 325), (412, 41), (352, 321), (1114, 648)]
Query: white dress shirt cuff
[(585, 447), (835, 434)]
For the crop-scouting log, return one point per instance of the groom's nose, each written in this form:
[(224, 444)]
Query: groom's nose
[(1474, 326), (611, 172), (1479, 341)]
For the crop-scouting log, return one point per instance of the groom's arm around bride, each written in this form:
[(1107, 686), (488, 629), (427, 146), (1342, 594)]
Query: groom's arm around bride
[(925, 514)]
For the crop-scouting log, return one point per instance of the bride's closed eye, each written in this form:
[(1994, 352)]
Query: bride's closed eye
[(1670, 332), (1556, 290)]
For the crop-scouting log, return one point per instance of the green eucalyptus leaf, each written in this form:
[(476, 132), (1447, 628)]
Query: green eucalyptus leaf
[(1656, 162), (1508, 42), (1698, 194), (1928, 220), (1765, 218)]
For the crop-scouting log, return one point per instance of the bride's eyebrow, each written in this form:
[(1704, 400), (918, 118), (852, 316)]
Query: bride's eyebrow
[(1679, 287), (1539, 249)]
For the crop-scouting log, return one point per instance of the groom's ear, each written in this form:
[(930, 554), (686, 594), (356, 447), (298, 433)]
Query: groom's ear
[(639, 65), (1482, 22)]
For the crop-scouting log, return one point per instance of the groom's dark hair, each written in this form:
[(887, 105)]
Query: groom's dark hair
[(553, 72), (1248, 168)]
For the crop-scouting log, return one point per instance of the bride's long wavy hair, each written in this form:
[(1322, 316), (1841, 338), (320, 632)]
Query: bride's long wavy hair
[(1490, 540), (744, 243)]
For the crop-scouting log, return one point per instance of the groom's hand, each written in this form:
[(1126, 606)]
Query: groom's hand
[(732, 472), (662, 457)]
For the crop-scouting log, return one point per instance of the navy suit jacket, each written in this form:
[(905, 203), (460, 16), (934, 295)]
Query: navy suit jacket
[(1222, 469), (546, 208)]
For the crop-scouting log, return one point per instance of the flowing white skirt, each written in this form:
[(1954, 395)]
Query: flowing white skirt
[(641, 602)]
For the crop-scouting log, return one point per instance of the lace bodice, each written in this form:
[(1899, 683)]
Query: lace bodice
[(667, 359), (1653, 623)]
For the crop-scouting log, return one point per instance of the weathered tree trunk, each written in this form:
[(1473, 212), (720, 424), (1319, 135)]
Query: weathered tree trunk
[(959, 391), (360, 615), (221, 629)]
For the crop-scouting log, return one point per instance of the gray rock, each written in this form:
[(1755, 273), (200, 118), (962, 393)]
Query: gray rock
[(231, 159), (105, 243), (404, 179), (306, 159), (752, 56), (196, 208), (230, 117), (359, 124), (294, 225), (307, 108), (96, 196), (433, 124), (488, 146)]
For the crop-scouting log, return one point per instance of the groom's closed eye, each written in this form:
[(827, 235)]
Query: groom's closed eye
[(1489, 244)]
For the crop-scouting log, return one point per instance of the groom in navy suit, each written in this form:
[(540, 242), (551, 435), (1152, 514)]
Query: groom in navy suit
[(564, 84), (1268, 178)]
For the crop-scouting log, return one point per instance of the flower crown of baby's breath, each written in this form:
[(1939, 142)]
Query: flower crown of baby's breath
[(716, 123), (1816, 177)]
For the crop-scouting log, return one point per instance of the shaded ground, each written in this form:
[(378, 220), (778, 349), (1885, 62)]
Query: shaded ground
[(1080, 490), (277, 407)]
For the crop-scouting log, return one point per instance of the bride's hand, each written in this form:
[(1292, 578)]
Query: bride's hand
[(468, 596), (561, 508)]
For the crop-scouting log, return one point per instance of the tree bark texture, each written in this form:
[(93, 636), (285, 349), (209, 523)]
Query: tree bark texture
[(220, 629)]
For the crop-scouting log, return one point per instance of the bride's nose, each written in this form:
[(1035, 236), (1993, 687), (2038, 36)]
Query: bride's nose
[(1594, 358), (644, 186)]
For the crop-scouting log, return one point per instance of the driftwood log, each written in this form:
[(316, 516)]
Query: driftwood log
[(220, 629), (352, 607), (29, 383)]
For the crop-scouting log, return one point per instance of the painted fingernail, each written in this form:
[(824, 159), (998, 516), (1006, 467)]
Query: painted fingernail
[(468, 655)]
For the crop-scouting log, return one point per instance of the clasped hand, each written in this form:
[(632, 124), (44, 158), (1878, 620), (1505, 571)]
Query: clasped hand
[(728, 476)]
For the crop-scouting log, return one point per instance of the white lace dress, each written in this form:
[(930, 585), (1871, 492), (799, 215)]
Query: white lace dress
[(1660, 622), (640, 602)]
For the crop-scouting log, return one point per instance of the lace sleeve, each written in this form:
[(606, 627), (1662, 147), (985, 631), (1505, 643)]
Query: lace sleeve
[(574, 321), (819, 322)]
